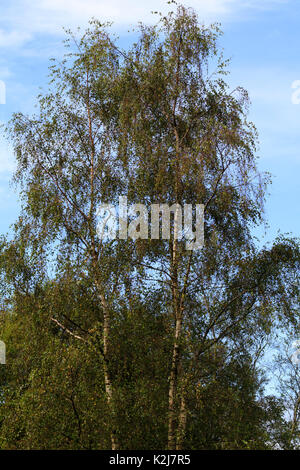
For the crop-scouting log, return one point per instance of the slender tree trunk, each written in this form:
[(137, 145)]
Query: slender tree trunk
[(172, 424), (101, 292), (182, 422), (107, 378), (176, 345), (173, 388)]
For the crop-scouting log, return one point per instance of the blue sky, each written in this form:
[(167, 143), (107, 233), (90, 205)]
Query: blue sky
[(262, 38)]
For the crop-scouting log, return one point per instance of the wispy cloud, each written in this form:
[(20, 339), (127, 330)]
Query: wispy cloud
[(13, 38), (22, 19)]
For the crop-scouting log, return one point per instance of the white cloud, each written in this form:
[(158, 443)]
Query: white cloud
[(24, 18), (13, 38), (126, 11)]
